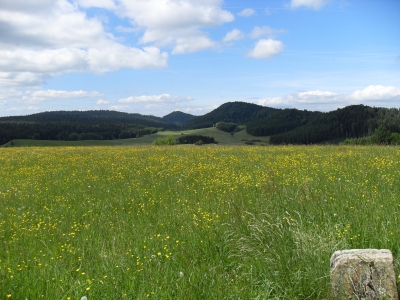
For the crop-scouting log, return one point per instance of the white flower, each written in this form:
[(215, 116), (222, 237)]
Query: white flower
[(181, 274), (84, 298)]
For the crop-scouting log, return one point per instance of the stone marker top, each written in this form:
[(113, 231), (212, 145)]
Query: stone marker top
[(366, 274), (367, 255)]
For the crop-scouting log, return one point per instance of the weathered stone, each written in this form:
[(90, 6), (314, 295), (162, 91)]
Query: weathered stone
[(363, 274)]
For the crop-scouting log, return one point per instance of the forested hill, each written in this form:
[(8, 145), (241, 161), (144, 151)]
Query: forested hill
[(80, 125), (178, 118), (231, 112), (292, 126), (92, 116)]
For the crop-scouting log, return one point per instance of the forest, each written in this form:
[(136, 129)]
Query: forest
[(284, 126)]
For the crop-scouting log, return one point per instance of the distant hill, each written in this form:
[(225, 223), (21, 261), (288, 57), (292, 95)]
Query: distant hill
[(91, 116), (178, 118), (231, 112), (283, 126), (80, 125)]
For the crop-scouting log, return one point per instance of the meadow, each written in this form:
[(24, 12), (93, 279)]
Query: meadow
[(187, 222), (223, 138)]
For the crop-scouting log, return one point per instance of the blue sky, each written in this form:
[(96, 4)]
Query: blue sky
[(157, 56)]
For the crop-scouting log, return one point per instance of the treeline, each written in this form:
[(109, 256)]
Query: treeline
[(193, 139), (291, 126), (92, 117), (381, 136), (68, 131)]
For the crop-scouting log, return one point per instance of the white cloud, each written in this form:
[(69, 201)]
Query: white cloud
[(43, 38), (312, 96), (175, 23), (373, 95), (119, 107), (265, 31), (233, 35), (30, 108), (314, 4), (108, 4), (118, 56), (125, 29), (164, 98), (376, 92), (266, 48), (247, 12), (15, 79), (191, 44), (309, 97), (102, 102), (37, 96), (42, 61)]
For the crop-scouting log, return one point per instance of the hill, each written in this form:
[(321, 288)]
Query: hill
[(80, 125), (231, 112), (91, 116), (178, 118)]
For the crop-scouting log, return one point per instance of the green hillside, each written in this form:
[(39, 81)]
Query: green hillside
[(223, 138)]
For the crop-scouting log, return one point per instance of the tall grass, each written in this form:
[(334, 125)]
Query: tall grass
[(190, 222)]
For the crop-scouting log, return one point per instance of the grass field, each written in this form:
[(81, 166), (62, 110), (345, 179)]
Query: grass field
[(210, 222), (223, 138)]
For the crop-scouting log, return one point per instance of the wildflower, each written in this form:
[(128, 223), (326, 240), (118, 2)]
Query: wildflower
[(181, 274)]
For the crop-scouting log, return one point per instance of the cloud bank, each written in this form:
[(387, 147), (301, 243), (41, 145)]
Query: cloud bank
[(373, 95), (163, 98)]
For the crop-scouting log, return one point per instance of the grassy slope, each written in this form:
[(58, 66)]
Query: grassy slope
[(221, 137)]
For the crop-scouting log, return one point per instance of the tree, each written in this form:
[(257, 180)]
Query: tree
[(382, 135), (36, 136), (169, 140)]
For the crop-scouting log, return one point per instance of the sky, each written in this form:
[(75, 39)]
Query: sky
[(154, 57)]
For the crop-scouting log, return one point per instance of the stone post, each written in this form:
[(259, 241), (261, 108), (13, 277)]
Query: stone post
[(363, 274)]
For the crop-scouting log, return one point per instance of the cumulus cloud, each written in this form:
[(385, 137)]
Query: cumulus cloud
[(314, 4), (43, 38), (266, 48), (265, 31), (175, 23), (376, 92), (102, 102), (233, 35), (247, 12), (19, 79), (164, 98)]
